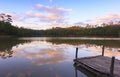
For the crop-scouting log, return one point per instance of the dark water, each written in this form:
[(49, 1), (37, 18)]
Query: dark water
[(50, 57)]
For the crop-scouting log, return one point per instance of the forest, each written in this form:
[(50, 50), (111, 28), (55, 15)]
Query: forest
[(108, 30)]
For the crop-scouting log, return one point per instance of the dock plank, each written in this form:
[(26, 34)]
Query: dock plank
[(100, 63)]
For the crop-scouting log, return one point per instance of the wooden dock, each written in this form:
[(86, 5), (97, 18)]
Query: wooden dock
[(99, 65)]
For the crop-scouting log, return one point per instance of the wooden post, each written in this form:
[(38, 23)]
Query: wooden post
[(112, 66), (76, 56), (76, 73), (103, 50)]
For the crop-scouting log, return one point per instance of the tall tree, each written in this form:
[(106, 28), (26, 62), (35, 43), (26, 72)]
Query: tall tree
[(5, 18)]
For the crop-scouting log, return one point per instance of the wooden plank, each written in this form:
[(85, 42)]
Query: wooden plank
[(100, 64)]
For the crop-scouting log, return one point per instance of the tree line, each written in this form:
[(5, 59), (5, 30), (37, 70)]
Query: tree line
[(76, 31), (108, 30)]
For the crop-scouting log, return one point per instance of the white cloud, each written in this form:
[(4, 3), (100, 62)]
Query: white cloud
[(44, 15), (32, 14), (108, 18), (48, 13), (16, 17), (51, 9), (105, 19)]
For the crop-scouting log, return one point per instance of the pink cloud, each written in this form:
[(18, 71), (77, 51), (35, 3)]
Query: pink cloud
[(51, 9), (48, 13), (108, 18), (40, 14), (31, 14), (45, 14)]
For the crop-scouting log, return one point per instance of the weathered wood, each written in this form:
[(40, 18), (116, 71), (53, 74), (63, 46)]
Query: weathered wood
[(103, 48), (112, 67), (99, 64), (76, 73), (76, 53)]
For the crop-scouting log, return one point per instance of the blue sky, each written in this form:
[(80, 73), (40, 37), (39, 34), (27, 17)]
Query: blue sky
[(41, 14)]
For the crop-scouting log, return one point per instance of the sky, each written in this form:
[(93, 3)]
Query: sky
[(43, 14)]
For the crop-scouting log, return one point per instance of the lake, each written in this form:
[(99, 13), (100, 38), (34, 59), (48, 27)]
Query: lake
[(51, 56)]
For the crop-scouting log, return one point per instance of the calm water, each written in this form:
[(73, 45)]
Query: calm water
[(50, 57)]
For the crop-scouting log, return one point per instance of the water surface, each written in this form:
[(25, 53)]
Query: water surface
[(50, 57)]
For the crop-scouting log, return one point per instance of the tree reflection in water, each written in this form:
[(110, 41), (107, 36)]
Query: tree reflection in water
[(6, 45), (48, 57)]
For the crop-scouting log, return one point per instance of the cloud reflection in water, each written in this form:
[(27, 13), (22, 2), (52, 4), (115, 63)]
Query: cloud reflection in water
[(40, 53)]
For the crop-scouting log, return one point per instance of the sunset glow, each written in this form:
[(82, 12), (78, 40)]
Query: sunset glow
[(42, 14)]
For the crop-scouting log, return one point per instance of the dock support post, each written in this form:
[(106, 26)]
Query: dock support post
[(76, 73), (112, 66), (76, 53), (103, 50)]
